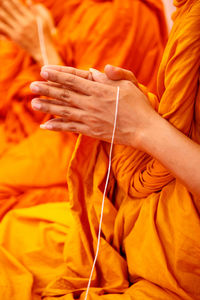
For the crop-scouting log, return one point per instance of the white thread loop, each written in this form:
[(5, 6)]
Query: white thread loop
[(42, 41), (104, 194)]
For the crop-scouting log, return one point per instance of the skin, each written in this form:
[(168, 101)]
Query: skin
[(18, 22), (88, 107)]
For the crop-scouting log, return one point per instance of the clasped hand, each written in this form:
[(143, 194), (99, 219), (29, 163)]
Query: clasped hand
[(85, 103), (18, 22)]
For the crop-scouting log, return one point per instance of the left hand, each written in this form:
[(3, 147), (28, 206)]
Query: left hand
[(88, 107)]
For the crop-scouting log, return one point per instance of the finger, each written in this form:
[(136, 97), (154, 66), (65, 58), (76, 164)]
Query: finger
[(5, 29), (116, 73), (10, 11), (15, 11), (81, 73), (102, 77), (53, 84), (60, 124), (67, 112), (7, 19), (69, 97), (19, 7), (51, 101), (74, 82)]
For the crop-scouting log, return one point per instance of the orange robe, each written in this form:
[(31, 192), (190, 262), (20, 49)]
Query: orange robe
[(91, 33), (151, 230), (150, 243)]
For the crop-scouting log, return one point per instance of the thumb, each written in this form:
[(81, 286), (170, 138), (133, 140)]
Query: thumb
[(101, 77), (116, 73)]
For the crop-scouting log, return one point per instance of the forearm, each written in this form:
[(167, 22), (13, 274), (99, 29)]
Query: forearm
[(179, 154)]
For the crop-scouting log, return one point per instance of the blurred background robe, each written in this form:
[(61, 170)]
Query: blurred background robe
[(169, 9)]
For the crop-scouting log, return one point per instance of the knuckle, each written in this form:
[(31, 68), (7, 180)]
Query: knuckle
[(72, 71), (96, 132), (72, 128), (64, 94), (65, 113), (128, 84), (98, 92), (91, 120), (71, 79), (58, 126), (103, 92)]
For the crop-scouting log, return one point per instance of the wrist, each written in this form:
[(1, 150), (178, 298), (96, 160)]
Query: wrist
[(147, 137)]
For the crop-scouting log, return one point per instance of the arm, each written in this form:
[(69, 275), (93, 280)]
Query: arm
[(179, 154)]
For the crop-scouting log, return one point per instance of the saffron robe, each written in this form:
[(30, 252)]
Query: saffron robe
[(128, 33), (150, 242)]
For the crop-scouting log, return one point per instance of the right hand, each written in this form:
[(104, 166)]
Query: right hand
[(111, 74), (88, 107)]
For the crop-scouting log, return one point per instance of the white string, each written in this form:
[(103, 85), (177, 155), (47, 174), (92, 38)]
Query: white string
[(41, 40), (45, 60), (40, 36), (104, 194)]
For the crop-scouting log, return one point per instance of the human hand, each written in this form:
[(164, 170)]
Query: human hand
[(111, 74), (19, 23), (88, 107)]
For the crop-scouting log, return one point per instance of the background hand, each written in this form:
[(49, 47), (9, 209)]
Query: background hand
[(19, 23)]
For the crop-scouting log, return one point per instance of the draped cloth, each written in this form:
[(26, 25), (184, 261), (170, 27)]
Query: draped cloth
[(150, 242), (90, 33)]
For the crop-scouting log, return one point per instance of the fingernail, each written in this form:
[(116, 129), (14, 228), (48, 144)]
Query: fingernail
[(36, 105), (34, 88), (110, 67), (45, 66), (46, 126), (44, 74), (94, 71)]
